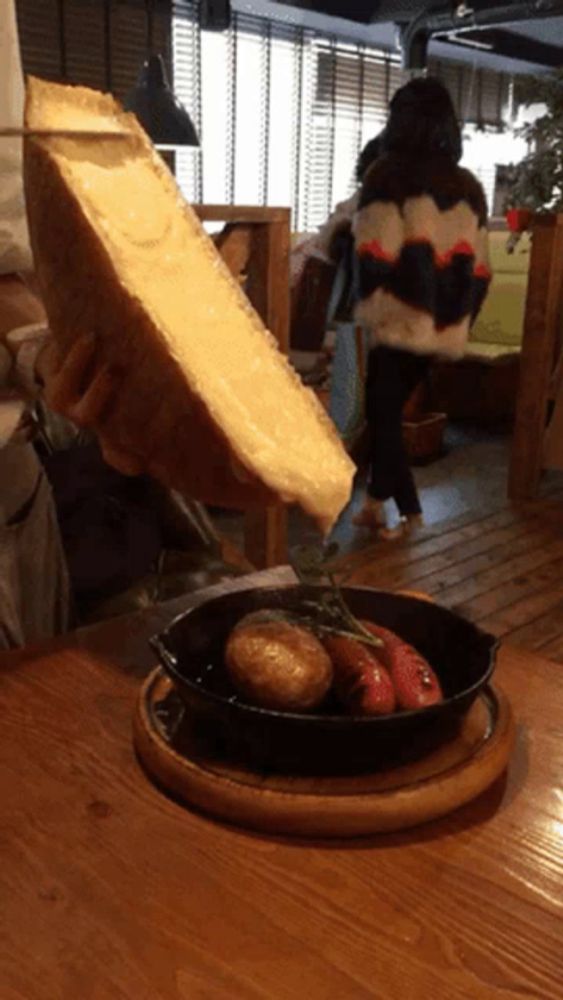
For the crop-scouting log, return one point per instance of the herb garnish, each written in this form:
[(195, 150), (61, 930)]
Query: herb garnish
[(329, 612)]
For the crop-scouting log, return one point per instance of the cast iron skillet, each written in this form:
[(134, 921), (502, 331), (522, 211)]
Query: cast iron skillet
[(191, 652)]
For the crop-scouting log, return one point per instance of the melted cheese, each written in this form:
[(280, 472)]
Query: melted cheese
[(164, 259)]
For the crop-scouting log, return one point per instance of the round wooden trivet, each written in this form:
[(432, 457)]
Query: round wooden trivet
[(343, 806)]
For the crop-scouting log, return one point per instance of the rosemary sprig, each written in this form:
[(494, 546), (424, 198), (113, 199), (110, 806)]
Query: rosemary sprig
[(365, 637), (332, 614)]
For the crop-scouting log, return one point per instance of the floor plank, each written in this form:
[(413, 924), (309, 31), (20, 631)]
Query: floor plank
[(503, 570), (458, 568), (501, 573), (427, 543), (513, 592), (524, 612), (464, 530)]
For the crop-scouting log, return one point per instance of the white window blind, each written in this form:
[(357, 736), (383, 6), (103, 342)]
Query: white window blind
[(250, 68), (353, 88), (188, 86), (247, 91)]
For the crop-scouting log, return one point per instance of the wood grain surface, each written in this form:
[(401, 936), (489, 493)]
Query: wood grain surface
[(110, 891)]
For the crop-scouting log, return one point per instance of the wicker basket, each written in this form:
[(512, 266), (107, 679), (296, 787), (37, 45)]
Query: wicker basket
[(424, 437)]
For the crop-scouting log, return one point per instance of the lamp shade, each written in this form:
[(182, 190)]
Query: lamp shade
[(161, 114)]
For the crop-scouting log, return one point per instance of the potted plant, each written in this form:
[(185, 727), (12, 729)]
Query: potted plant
[(536, 184)]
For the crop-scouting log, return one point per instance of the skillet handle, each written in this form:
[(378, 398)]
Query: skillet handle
[(165, 657)]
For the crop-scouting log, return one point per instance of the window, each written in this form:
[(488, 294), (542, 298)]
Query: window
[(247, 92), (283, 113), (353, 88), (485, 150)]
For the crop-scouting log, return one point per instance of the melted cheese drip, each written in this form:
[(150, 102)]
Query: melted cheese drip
[(164, 259)]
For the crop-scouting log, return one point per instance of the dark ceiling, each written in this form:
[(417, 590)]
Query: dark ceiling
[(530, 31)]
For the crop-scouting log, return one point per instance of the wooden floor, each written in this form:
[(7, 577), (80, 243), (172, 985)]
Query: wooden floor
[(502, 570)]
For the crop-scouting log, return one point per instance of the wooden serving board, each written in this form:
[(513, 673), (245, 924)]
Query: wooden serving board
[(341, 806)]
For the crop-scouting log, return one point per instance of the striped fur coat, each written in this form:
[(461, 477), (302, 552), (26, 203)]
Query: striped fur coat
[(421, 243)]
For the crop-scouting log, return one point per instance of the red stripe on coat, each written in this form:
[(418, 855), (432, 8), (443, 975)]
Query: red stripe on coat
[(462, 248)]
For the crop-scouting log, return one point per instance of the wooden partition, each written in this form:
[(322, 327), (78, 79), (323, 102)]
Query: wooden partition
[(255, 243), (541, 353)]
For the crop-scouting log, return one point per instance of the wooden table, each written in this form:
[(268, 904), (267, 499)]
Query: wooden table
[(112, 892)]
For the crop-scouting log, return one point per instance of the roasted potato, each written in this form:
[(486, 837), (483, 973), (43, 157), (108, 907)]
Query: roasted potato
[(278, 665)]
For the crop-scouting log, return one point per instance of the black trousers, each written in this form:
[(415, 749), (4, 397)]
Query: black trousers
[(392, 377)]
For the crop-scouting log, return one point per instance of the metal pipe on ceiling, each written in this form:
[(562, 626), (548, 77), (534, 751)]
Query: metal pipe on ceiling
[(416, 35)]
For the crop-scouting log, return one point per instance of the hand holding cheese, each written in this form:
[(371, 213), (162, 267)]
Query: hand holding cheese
[(70, 389), (208, 402)]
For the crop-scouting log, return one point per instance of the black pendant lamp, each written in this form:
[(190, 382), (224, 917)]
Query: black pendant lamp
[(163, 117)]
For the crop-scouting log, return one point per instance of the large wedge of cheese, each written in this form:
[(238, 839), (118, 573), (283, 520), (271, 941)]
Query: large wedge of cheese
[(207, 399)]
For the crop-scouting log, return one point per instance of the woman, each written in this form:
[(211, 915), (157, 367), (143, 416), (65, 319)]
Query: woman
[(421, 246)]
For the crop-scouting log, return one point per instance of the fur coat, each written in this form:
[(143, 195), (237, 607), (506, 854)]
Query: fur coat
[(422, 254)]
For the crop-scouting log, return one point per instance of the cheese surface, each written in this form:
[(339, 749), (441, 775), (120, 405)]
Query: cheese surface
[(167, 264)]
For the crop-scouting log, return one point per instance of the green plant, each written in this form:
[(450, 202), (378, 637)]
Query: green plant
[(537, 182)]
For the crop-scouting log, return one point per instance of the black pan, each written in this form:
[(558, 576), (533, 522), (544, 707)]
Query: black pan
[(191, 652)]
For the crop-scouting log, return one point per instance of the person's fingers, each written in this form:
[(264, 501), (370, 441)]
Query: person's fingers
[(87, 407), (90, 408), (63, 388)]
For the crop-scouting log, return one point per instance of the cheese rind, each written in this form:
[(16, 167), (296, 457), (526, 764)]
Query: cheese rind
[(208, 400)]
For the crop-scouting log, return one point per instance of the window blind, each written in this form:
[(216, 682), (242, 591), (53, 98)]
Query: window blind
[(354, 85), (247, 89), (40, 28), (187, 81)]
